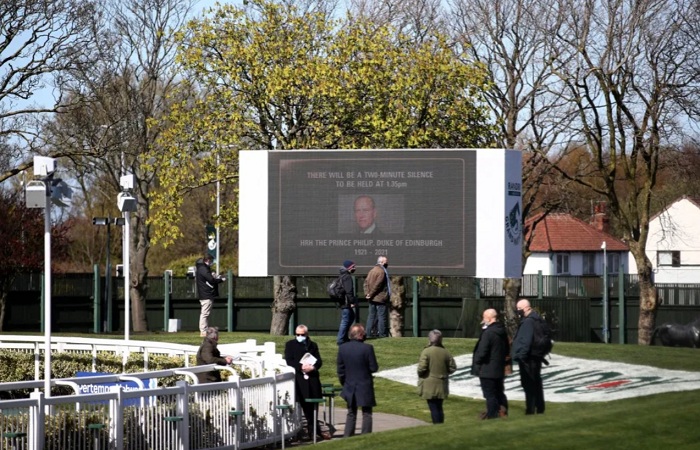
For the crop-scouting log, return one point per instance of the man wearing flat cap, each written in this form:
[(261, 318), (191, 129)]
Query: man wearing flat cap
[(378, 292), (348, 302)]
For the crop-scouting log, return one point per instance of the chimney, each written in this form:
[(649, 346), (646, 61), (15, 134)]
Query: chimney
[(600, 219)]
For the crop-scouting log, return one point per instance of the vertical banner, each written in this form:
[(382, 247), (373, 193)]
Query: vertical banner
[(211, 241)]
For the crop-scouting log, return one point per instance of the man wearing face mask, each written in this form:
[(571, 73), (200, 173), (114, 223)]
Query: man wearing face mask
[(348, 302), (530, 367), (378, 292), (307, 380), (489, 362)]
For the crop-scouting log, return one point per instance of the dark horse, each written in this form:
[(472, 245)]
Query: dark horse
[(675, 335)]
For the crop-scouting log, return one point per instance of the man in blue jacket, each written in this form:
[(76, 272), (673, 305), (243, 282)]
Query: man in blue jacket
[(356, 364), (530, 367)]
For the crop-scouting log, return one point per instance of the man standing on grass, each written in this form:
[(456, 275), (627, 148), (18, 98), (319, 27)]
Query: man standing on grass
[(489, 363), (530, 366), (356, 364), (207, 290), (378, 293)]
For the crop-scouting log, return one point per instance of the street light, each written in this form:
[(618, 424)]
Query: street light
[(108, 221), (127, 203), (606, 319), (41, 194)]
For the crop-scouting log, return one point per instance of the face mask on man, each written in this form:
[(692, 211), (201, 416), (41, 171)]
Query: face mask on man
[(386, 265), (301, 339), (520, 313)]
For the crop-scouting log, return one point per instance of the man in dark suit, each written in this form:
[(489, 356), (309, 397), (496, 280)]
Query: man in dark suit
[(356, 364)]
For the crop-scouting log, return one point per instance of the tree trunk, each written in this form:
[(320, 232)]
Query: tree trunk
[(648, 305), (139, 276), (397, 306), (3, 302), (511, 287), (283, 305)]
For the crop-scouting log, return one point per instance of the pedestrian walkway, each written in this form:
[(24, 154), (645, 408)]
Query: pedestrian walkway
[(380, 422)]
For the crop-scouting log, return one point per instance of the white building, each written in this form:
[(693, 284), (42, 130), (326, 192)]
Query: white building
[(673, 246), (564, 245)]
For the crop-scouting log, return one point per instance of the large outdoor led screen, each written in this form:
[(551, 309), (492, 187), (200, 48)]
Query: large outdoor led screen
[(305, 212)]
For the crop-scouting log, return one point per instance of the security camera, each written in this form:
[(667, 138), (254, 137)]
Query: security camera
[(126, 202), (61, 193)]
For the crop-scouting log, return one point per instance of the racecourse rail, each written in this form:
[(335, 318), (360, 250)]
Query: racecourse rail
[(134, 411)]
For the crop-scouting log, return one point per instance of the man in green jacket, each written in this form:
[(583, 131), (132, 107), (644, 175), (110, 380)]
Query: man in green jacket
[(434, 367)]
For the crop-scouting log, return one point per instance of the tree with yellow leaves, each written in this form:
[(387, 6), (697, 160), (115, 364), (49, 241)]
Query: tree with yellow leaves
[(269, 76)]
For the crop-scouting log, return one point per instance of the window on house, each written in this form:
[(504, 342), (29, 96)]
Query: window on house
[(669, 258), (562, 264), (589, 263), (613, 262)]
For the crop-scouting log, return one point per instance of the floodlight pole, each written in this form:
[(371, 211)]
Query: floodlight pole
[(47, 291), (126, 247), (606, 319), (218, 211)]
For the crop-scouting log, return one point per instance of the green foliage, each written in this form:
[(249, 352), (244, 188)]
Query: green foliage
[(180, 266), (273, 77)]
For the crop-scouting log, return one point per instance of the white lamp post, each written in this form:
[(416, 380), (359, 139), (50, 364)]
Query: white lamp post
[(606, 319), (127, 204), (40, 194)]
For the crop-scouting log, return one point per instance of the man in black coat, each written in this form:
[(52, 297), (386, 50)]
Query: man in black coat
[(489, 362), (208, 353), (356, 364), (307, 380), (207, 290), (530, 367), (348, 303)]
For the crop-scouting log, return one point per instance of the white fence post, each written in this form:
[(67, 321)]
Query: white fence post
[(116, 413), (36, 422)]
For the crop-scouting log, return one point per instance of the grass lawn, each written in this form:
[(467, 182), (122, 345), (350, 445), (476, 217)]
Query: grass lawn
[(662, 421)]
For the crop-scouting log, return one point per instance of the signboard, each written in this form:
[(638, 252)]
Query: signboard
[(101, 388), (427, 211)]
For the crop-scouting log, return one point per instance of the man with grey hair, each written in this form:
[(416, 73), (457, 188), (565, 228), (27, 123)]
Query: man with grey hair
[(434, 368), (377, 289), (208, 353)]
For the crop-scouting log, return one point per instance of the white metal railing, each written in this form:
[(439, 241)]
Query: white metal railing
[(233, 414)]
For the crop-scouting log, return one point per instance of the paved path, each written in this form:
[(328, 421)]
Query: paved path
[(380, 422)]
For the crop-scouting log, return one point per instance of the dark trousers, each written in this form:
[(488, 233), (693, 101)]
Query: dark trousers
[(309, 409), (531, 380), (377, 320), (494, 393), (347, 317), (351, 419), (436, 412)]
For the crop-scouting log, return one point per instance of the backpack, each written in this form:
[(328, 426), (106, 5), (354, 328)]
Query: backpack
[(542, 342), (335, 289)]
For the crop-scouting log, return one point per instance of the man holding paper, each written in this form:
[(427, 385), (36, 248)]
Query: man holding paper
[(302, 354)]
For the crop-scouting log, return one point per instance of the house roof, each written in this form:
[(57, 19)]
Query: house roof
[(565, 233), (694, 200)]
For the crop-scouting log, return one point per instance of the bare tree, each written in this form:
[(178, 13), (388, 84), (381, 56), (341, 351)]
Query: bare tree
[(415, 19), (124, 88), (506, 36), (628, 71), (39, 41)]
